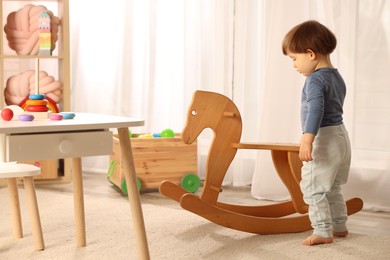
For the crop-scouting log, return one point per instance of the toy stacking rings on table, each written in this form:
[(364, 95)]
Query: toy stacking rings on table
[(36, 102), (36, 96), (68, 115), (56, 117), (26, 117), (37, 108)]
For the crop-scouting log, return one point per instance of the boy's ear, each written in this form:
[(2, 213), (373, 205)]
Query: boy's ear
[(311, 53)]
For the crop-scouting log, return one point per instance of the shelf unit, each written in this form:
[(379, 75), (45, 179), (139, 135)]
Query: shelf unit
[(56, 65)]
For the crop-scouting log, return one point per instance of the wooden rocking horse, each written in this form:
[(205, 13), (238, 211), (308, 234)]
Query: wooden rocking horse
[(215, 111)]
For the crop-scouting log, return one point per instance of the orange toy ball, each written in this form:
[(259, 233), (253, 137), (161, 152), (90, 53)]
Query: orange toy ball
[(7, 114)]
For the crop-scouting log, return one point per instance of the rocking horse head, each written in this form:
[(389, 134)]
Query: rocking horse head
[(215, 111)]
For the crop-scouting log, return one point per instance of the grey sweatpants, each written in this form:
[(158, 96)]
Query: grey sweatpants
[(322, 179)]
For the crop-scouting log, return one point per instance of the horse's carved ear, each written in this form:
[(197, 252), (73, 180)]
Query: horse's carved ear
[(229, 114)]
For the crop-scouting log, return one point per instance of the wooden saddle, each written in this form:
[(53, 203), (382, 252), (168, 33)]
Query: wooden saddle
[(216, 111)]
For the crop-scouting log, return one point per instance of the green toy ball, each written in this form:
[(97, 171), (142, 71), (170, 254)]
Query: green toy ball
[(167, 133), (190, 182)]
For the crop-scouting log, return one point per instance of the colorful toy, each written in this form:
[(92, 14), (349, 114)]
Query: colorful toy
[(36, 96), (23, 32), (26, 117), (7, 114), (33, 30), (216, 111), (43, 108), (55, 117), (167, 133), (190, 182), (39, 102), (146, 136), (68, 115), (44, 34), (156, 135), (36, 103), (49, 103), (17, 110)]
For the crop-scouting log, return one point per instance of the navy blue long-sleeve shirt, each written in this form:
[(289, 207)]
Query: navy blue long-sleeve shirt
[(322, 101)]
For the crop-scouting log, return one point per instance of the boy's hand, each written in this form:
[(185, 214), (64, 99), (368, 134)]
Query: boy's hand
[(305, 150)]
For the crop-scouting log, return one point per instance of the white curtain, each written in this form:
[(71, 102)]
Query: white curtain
[(144, 58), (362, 56)]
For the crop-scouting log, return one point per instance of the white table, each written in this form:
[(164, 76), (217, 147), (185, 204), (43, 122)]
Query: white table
[(85, 135)]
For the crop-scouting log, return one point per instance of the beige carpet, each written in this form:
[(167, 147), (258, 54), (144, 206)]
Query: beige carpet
[(172, 232)]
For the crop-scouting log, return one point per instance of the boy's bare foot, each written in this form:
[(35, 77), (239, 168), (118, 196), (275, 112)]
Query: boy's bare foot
[(340, 234), (316, 240)]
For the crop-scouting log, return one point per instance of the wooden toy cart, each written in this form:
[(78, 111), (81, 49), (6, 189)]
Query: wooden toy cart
[(157, 159)]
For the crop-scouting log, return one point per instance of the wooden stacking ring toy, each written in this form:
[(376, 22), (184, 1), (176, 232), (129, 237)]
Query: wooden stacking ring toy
[(55, 117), (36, 96), (36, 102), (50, 103), (26, 117), (37, 108), (68, 115)]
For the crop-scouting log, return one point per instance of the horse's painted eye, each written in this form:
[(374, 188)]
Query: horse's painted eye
[(193, 112)]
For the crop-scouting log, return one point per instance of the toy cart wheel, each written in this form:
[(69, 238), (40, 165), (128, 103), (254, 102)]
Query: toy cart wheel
[(190, 182), (124, 186)]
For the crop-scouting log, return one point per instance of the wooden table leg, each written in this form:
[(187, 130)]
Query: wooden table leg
[(15, 207), (133, 194), (78, 196), (35, 219)]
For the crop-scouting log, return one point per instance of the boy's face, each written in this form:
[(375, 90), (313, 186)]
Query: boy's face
[(304, 63)]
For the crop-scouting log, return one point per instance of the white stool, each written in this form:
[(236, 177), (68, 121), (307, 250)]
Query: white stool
[(11, 171)]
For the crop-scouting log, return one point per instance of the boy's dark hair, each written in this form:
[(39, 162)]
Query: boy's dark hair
[(309, 35)]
